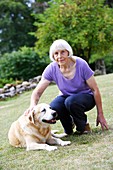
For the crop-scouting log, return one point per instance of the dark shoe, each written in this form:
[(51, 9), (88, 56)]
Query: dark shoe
[(86, 131), (73, 126)]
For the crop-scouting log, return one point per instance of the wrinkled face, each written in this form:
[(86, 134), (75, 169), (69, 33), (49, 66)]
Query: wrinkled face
[(44, 113), (61, 57)]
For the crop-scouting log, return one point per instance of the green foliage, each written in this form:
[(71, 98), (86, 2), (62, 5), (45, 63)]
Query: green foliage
[(23, 64), (4, 81), (109, 63), (16, 23), (86, 25)]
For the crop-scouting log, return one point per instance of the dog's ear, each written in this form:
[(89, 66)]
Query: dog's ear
[(31, 116)]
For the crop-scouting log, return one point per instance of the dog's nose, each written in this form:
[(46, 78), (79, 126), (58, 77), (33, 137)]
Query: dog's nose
[(54, 114)]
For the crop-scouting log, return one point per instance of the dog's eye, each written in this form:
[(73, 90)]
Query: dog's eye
[(43, 110)]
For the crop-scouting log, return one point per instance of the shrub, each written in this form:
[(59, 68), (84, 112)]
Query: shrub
[(21, 65), (5, 81)]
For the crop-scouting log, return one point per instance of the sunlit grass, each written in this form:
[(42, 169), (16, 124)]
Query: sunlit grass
[(86, 152)]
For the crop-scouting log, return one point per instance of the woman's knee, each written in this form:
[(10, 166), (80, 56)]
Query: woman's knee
[(69, 102), (85, 101), (58, 104)]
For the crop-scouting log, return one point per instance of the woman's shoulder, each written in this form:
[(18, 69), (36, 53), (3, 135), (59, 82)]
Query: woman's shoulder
[(78, 59), (49, 71), (52, 65)]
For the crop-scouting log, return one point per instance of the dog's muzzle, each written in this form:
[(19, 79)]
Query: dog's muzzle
[(53, 120)]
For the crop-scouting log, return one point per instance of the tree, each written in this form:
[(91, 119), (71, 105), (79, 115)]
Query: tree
[(16, 23), (39, 6), (87, 25)]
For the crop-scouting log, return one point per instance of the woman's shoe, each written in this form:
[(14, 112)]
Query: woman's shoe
[(87, 129)]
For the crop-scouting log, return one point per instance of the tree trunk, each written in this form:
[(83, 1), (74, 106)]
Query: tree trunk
[(100, 68)]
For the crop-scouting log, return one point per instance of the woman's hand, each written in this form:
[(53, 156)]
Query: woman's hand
[(28, 111), (100, 116), (102, 121)]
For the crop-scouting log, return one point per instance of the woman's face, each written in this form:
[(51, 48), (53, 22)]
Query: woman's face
[(61, 56)]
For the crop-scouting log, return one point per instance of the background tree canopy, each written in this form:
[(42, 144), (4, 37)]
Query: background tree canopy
[(16, 22), (87, 25)]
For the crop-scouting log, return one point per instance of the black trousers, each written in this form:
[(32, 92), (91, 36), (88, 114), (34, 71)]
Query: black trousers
[(75, 105)]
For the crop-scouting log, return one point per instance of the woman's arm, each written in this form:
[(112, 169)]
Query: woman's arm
[(100, 116), (36, 94)]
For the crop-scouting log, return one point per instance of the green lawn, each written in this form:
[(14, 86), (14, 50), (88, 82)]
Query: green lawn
[(86, 152)]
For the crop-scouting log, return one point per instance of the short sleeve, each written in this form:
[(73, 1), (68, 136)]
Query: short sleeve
[(87, 72), (47, 73)]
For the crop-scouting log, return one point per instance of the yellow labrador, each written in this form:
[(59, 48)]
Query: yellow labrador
[(33, 131)]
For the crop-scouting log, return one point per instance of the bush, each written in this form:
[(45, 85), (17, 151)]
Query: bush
[(21, 65), (5, 81)]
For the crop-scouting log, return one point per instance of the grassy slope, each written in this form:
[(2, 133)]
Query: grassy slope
[(87, 152)]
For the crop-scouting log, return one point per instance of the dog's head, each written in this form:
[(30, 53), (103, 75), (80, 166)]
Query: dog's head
[(43, 113)]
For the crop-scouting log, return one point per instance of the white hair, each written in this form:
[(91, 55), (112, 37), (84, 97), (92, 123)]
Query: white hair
[(60, 44)]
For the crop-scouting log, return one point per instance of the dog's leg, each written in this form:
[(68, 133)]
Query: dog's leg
[(37, 146), (31, 144), (56, 135), (57, 141)]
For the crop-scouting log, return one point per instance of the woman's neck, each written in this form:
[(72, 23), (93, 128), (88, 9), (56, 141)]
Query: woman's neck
[(68, 70), (69, 64)]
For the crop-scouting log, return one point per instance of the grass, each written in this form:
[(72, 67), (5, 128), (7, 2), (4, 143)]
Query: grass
[(86, 152)]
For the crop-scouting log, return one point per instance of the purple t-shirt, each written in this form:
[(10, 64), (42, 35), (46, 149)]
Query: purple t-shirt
[(70, 86)]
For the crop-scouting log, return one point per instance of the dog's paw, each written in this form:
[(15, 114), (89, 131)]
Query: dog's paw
[(51, 148), (64, 143), (55, 134), (54, 131)]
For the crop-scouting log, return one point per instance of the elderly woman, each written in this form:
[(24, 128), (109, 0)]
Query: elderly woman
[(79, 92)]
